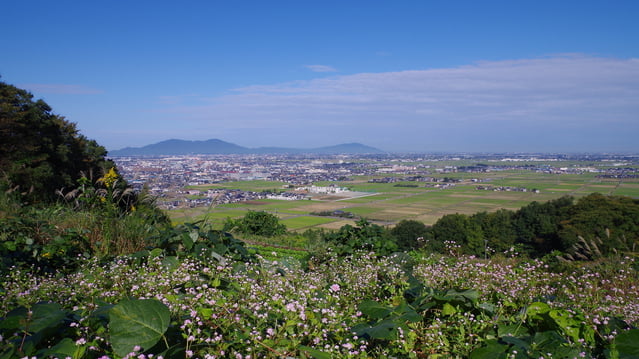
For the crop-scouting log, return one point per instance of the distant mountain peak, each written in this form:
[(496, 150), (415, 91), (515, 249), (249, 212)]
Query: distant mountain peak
[(217, 146)]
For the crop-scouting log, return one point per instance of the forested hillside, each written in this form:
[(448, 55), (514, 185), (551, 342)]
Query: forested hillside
[(40, 151)]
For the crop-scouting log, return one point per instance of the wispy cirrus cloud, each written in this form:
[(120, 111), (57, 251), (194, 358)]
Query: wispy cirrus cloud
[(321, 68), (61, 89), (562, 102)]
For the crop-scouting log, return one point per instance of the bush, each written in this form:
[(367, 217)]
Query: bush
[(256, 223)]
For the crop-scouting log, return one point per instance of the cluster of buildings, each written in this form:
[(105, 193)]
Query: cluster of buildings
[(506, 189), (169, 177)]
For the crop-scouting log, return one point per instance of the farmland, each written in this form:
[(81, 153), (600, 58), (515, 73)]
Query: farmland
[(388, 203)]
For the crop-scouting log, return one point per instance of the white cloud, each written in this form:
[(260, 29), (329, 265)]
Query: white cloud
[(563, 102), (320, 68)]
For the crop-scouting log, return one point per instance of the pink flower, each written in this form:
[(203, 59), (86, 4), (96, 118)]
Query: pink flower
[(334, 288)]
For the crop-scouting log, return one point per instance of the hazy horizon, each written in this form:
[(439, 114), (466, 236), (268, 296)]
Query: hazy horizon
[(399, 152), (415, 76)]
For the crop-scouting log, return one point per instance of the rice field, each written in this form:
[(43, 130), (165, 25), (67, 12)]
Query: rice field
[(387, 203)]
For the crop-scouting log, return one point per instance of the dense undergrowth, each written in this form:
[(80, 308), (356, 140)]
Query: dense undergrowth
[(365, 306)]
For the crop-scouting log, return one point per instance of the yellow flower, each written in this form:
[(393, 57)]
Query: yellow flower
[(110, 178)]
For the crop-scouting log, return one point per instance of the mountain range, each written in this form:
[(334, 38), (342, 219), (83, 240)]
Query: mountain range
[(215, 146)]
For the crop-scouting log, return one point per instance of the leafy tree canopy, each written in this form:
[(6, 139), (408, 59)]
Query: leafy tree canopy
[(40, 151), (538, 229), (365, 236), (409, 234), (257, 223)]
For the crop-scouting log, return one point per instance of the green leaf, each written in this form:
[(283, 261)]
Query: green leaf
[(140, 322), (43, 316), (548, 340), (374, 309), (170, 263), (64, 349), (190, 239), (448, 309), (386, 330), (489, 308), (492, 350), (316, 354), (155, 252), (10, 245), (515, 330), (14, 319), (411, 315), (46, 316), (535, 310), (627, 344), (205, 313), (569, 325), (470, 294), (522, 344)]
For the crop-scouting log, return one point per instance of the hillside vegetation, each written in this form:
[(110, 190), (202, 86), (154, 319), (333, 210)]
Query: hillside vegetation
[(92, 269)]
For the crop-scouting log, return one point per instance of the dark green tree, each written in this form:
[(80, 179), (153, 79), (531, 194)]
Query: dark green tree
[(614, 220), (258, 223), (409, 234), (365, 236), (497, 229), (537, 225), (459, 229), (40, 151)]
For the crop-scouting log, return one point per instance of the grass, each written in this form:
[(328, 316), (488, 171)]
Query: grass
[(301, 222)]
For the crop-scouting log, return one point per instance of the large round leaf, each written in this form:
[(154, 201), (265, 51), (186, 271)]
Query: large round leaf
[(137, 322), (627, 343)]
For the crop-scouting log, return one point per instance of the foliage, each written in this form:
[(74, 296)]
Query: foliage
[(538, 229), (364, 237), (46, 329), (541, 331), (256, 223), (60, 237), (399, 307), (460, 229), (29, 242), (613, 219), (409, 234), (40, 151), (190, 240), (137, 323)]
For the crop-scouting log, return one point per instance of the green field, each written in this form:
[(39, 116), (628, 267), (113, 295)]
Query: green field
[(387, 204)]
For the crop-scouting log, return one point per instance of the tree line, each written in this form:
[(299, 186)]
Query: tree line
[(609, 223), (592, 226)]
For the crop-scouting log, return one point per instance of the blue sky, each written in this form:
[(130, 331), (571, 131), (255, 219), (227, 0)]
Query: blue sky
[(419, 76)]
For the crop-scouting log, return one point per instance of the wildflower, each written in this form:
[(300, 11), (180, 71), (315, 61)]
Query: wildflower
[(110, 178), (334, 288), (80, 341)]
